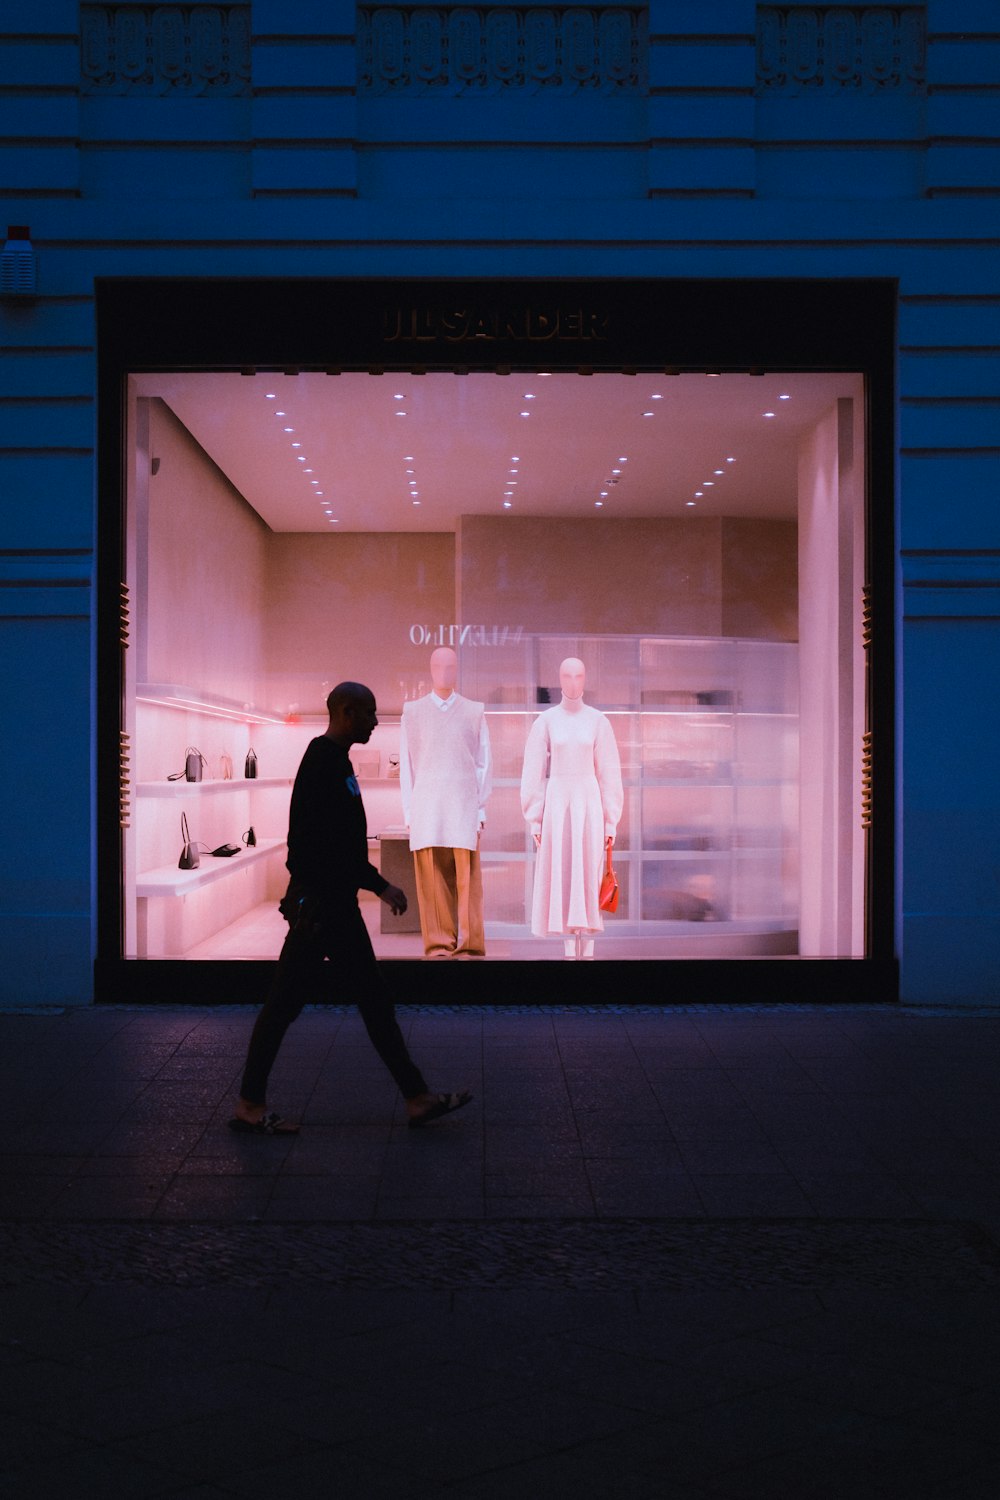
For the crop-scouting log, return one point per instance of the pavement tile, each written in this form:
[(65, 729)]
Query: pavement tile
[(26, 1197), (230, 1197), (328, 1473), (578, 1471), (222, 1446), (542, 1206), (751, 1194), (846, 1195), (399, 1207), (93, 1198), (692, 1389), (448, 1451), (319, 1200), (858, 1456)]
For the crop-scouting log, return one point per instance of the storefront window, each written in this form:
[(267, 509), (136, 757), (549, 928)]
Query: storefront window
[(697, 542)]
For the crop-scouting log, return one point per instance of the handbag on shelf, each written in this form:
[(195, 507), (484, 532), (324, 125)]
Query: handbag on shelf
[(608, 899), (194, 763), (250, 769), (190, 858), (226, 767)]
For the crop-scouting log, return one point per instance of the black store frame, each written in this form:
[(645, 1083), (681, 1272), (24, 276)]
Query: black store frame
[(147, 324)]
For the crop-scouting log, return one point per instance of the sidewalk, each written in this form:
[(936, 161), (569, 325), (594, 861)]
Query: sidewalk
[(691, 1253)]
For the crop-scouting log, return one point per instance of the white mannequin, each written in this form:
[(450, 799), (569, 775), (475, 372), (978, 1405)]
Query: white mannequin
[(572, 745), (445, 778)]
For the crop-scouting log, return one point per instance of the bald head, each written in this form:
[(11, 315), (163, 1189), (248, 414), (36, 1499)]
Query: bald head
[(444, 671), (351, 707), (572, 677)]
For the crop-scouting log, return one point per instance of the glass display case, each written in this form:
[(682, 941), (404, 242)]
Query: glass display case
[(707, 849)]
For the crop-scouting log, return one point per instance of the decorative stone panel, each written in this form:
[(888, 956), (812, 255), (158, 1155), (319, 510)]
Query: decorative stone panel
[(195, 50), (870, 49), (458, 50)]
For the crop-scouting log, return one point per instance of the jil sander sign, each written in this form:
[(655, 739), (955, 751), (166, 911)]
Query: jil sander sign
[(475, 324)]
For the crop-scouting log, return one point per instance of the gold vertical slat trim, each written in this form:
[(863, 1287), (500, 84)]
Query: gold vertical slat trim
[(866, 616), (124, 614), (124, 779), (866, 779)]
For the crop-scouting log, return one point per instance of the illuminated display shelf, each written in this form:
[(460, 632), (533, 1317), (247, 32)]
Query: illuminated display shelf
[(186, 788), (169, 880)]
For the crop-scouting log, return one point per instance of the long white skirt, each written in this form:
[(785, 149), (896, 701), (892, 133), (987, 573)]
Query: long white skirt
[(570, 862)]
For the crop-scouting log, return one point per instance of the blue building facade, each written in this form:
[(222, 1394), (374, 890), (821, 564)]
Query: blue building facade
[(316, 190)]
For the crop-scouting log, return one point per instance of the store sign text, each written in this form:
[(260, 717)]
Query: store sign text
[(465, 635), (462, 325)]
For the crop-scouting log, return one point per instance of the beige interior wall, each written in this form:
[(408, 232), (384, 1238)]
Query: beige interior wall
[(346, 607), (700, 577), (202, 625), (760, 579)]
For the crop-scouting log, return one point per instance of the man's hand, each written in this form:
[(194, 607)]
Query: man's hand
[(395, 899)]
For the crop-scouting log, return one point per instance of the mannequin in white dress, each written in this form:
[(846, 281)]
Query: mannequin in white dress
[(571, 798), (445, 774)]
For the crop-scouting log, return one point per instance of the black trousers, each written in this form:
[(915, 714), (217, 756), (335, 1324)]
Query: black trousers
[(350, 977)]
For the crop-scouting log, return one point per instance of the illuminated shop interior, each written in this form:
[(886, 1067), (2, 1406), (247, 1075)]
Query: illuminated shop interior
[(696, 539)]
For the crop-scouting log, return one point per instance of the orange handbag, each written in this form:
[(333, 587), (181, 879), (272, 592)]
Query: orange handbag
[(608, 900)]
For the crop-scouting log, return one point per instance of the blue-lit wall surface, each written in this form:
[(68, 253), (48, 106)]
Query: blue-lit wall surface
[(689, 138)]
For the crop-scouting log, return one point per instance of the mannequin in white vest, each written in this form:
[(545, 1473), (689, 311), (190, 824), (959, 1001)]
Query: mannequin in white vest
[(445, 776)]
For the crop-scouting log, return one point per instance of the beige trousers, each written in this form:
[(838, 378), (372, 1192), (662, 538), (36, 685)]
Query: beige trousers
[(450, 898)]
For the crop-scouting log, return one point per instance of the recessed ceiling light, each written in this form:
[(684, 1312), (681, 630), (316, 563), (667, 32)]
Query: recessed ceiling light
[(543, 374), (508, 493), (690, 502), (409, 471), (616, 471), (281, 414), (271, 396), (296, 445), (526, 414), (623, 460), (407, 458), (784, 398), (320, 492), (730, 460), (529, 395), (647, 413), (288, 429), (414, 494), (416, 502), (401, 414), (708, 483), (769, 414), (698, 494), (399, 396), (514, 458), (718, 471), (656, 397), (604, 494), (599, 504), (506, 505), (334, 520), (300, 458)]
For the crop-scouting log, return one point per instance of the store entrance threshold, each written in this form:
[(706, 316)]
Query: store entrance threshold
[(608, 981)]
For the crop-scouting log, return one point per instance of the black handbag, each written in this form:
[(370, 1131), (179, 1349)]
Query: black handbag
[(194, 763), (190, 858), (250, 769)]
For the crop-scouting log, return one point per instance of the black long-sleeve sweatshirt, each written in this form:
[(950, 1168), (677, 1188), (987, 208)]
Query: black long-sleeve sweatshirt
[(327, 828)]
